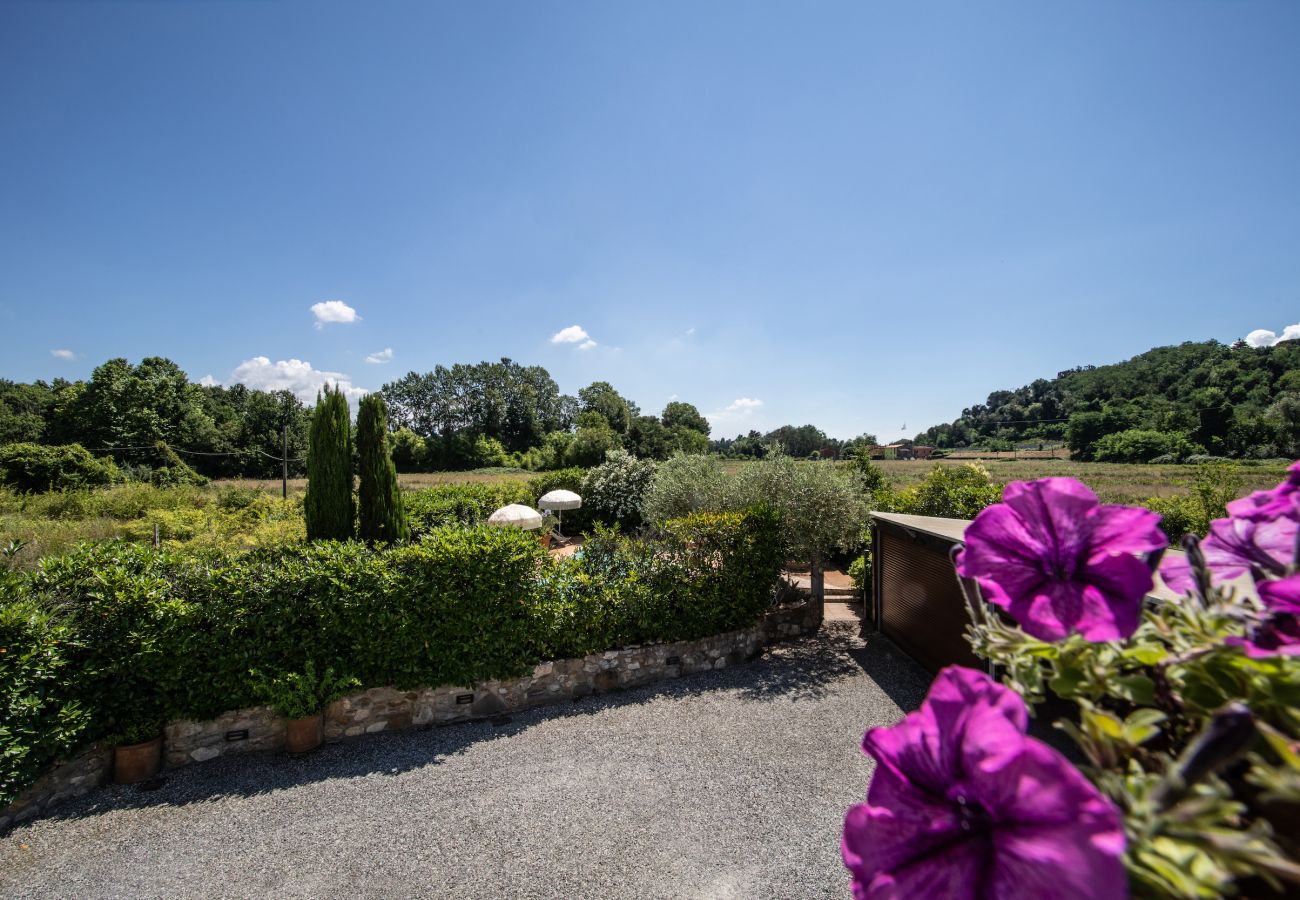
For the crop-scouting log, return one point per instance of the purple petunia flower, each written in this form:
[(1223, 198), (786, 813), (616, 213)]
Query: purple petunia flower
[(1233, 547), (964, 804), (1279, 633), (1059, 561), (1265, 506)]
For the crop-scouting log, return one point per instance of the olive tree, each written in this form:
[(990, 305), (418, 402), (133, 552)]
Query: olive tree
[(822, 507)]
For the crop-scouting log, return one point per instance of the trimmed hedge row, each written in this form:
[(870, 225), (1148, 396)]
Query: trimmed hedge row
[(114, 639)]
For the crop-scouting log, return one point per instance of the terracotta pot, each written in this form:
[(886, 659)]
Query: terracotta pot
[(137, 762), (302, 735), (545, 539)]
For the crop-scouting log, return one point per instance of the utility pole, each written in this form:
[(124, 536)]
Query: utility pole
[(284, 462)]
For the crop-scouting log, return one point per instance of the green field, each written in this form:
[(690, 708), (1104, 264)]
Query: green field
[(248, 513)]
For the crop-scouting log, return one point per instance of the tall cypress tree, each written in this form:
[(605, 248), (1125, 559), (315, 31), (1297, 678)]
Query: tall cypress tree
[(328, 507), (382, 515)]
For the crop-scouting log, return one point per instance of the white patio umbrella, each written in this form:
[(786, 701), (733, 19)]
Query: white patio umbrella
[(516, 515), (560, 500)]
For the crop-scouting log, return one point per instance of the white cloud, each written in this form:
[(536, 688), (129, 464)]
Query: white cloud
[(587, 344), (690, 331), (572, 335), (328, 311), (63, 354), (294, 375), (383, 356), (209, 381), (740, 408), (1262, 337)]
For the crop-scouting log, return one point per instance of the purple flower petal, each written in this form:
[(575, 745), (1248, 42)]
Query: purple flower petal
[(1283, 595), (1059, 562), (964, 804)]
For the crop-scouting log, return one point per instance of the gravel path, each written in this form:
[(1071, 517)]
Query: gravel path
[(729, 784)]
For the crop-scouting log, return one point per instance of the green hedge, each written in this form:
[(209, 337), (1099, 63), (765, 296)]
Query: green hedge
[(112, 640)]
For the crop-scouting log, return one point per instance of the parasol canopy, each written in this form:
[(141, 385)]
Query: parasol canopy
[(560, 499), (516, 515)]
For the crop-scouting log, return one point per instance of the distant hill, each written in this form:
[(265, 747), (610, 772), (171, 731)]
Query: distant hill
[(1195, 398)]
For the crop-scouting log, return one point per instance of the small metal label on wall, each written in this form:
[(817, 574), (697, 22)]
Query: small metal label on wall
[(462, 699), (239, 734)]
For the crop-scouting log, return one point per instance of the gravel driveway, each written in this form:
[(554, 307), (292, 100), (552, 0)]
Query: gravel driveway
[(729, 784)]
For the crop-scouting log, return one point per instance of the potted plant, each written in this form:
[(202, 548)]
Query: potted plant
[(301, 697), (138, 754)]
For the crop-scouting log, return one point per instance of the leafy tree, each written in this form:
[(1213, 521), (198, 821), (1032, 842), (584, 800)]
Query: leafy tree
[(513, 404), (381, 517), (798, 440), (686, 484), (648, 439), (600, 397), (688, 440), (410, 454), (821, 507), (1217, 394), (328, 506), (684, 415), (590, 444)]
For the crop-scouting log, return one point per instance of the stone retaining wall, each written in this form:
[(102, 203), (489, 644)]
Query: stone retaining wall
[(388, 709)]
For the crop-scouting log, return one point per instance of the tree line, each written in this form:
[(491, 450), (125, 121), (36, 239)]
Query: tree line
[(141, 415), (1170, 402)]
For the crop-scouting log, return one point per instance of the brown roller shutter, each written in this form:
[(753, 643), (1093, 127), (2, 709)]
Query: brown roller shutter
[(921, 606)]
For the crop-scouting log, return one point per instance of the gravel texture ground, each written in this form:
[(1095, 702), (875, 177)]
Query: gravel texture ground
[(729, 784)]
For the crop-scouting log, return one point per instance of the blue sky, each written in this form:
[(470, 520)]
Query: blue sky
[(858, 215)]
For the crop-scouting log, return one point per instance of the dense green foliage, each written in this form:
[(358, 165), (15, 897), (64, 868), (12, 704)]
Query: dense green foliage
[(497, 414), (219, 517), (800, 441), (296, 695), (135, 406), (614, 490), (1237, 401), (380, 513), (329, 504), (31, 468), (115, 639)]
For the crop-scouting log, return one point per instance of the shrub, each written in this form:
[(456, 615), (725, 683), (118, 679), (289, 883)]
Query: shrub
[(296, 695), (955, 492), (41, 717), (380, 514), (615, 489), (114, 639), (174, 471), (1139, 445), (32, 468), (328, 507), (685, 484), (461, 504), (821, 508)]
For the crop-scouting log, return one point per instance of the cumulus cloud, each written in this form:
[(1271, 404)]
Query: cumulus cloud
[(294, 375), (330, 311), (740, 408), (383, 356), (63, 354), (572, 335), (208, 381), (1262, 337)]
